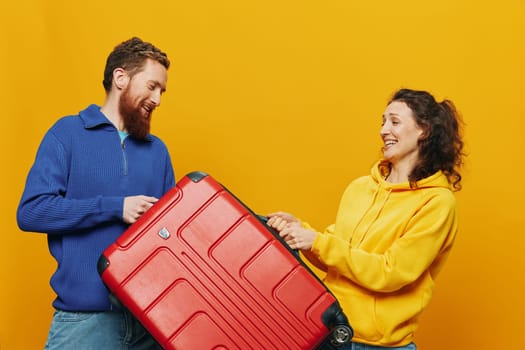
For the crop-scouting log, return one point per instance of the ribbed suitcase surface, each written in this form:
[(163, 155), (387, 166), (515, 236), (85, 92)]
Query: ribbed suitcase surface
[(201, 271)]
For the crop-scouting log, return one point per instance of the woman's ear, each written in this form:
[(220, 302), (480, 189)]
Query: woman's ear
[(120, 78), (425, 132), (424, 127)]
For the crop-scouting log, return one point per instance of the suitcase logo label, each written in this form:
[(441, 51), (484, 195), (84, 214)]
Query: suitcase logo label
[(164, 233)]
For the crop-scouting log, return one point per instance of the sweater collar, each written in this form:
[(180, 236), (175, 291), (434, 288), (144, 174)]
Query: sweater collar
[(93, 117)]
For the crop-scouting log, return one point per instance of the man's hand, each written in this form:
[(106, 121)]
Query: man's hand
[(135, 206)]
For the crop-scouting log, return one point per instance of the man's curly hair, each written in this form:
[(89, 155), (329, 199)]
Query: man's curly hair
[(131, 56)]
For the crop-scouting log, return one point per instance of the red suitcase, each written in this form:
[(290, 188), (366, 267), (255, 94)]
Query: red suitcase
[(201, 271)]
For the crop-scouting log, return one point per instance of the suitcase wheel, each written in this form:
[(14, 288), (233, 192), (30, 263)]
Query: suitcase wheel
[(341, 335)]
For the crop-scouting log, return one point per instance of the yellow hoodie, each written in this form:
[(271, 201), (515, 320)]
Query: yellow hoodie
[(384, 251)]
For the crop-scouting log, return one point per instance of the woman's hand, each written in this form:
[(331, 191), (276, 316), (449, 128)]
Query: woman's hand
[(280, 219), (298, 237), (291, 231)]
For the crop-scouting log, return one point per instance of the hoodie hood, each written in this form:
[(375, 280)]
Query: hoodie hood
[(437, 179)]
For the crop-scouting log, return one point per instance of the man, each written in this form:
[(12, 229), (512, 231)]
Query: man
[(94, 174)]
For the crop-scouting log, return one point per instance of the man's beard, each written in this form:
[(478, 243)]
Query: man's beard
[(136, 122)]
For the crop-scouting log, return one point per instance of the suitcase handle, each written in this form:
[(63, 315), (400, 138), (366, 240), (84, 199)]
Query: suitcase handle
[(264, 220)]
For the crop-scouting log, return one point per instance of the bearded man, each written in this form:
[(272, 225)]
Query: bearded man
[(94, 174)]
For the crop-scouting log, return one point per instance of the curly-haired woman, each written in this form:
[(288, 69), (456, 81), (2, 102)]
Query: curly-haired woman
[(394, 227)]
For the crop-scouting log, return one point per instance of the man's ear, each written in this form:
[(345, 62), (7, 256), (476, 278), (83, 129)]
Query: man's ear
[(120, 78)]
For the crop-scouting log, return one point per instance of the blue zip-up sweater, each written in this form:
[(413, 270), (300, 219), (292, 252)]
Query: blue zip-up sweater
[(75, 193)]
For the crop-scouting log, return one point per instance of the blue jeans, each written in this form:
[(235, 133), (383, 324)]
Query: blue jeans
[(359, 346), (97, 331)]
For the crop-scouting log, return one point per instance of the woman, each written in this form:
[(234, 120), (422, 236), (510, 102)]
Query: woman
[(395, 227)]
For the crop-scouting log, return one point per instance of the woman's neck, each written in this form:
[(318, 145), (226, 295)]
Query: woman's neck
[(399, 173)]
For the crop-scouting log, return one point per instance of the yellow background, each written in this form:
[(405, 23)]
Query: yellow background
[(281, 101)]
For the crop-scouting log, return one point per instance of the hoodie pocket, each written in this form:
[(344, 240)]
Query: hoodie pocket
[(359, 307), (397, 313)]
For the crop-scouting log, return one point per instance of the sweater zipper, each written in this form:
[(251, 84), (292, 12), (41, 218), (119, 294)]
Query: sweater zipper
[(124, 158)]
